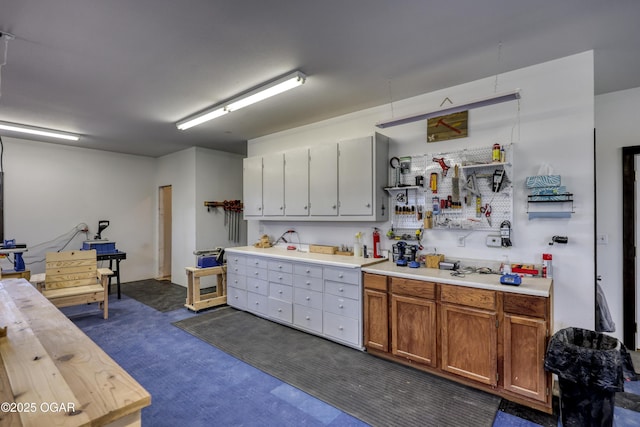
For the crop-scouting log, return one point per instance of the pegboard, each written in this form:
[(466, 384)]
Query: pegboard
[(410, 203)]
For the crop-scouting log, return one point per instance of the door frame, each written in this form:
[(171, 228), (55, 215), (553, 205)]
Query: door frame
[(629, 246)]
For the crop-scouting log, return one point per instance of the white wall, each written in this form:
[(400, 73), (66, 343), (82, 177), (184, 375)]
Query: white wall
[(552, 123), (50, 189), (197, 175), (616, 121)]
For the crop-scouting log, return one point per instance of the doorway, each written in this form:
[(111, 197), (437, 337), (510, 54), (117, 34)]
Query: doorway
[(164, 233), (629, 227)]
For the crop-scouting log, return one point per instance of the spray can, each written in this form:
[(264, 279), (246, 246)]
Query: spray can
[(376, 243), (495, 153), (547, 269)]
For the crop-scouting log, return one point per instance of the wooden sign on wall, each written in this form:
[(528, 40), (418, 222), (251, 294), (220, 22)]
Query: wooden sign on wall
[(447, 127)]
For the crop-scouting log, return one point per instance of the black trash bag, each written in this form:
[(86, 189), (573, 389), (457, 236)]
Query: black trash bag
[(591, 368), (590, 359)]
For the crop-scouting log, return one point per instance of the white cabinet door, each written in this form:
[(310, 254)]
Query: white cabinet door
[(355, 176), (323, 180), (296, 182), (273, 184), (252, 186)]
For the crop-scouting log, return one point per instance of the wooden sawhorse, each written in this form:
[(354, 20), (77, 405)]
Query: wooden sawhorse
[(197, 302)]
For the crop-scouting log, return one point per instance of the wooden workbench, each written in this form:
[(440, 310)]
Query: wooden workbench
[(196, 301), (51, 373)]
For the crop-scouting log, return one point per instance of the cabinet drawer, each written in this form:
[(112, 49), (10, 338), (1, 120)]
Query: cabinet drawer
[(258, 273), (479, 298), (307, 270), (257, 303), (342, 275), (307, 318), (258, 262), (375, 281), (236, 281), (283, 266), (525, 305), (281, 292), (280, 277), (237, 298), (308, 298), (341, 328), (415, 288), (258, 286), (342, 306), (239, 269), (342, 290), (233, 260), (280, 310), (313, 283)]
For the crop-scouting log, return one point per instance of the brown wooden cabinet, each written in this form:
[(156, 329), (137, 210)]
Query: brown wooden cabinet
[(376, 312), (489, 339), (469, 333), (525, 338), (413, 321)]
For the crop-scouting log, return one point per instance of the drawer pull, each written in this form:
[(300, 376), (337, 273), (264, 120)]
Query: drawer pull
[(280, 291), (256, 286), (340, 306), (308, 271), (308, 283), (340, 327), (341, 290), (279, 310), (256, 273), (308, 298), (341, 275), (308, 318), (280, 278)]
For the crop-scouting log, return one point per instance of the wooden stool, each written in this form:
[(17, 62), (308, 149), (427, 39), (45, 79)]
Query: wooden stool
[(197, 302)]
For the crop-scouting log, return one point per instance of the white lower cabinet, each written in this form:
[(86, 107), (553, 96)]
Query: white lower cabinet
[(319, 299)]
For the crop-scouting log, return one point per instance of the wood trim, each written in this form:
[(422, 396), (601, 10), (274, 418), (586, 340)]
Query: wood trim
[(628, 246)]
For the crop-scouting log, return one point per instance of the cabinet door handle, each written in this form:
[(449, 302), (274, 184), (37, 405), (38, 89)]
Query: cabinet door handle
[(334, 207), (340, 275), (341, 289), (308, 298), (259, 209), (279, 310), (340, 306), (368, 205), (340, 327), (305, 208), (280, 291), (281, 208), (307, 317), (308, 283)]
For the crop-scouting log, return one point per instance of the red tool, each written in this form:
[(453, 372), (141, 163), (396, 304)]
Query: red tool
[(486, 210), (443, 165), (376, 243)]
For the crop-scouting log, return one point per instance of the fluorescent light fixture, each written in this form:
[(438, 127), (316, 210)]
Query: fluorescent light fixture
[(32, 130), (478, 103), (258, 94)]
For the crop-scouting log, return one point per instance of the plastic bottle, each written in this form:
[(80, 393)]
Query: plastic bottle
[(547, 269), (495, 153), (357, 246), (506, 265)]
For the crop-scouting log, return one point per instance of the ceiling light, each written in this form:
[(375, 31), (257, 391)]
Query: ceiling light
[(252, 96), (32, 130), (495, 99)]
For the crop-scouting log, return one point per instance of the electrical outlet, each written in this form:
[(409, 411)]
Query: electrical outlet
[(461, 241), (494, 241)]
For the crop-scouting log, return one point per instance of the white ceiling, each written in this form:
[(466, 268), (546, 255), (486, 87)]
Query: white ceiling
[(122, 72)]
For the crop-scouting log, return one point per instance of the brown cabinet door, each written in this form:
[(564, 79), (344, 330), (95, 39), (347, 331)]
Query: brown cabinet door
[(413, 329), (524, 348), (469, 343), (376, 320)]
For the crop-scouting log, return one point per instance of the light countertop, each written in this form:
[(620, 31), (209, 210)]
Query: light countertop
[(530, 285), (325, 259)]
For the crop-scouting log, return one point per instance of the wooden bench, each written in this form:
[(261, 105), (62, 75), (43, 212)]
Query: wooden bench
[(52, 374), (73, 278)]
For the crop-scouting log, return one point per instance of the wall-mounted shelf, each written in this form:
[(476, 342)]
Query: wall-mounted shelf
[(552, 205)]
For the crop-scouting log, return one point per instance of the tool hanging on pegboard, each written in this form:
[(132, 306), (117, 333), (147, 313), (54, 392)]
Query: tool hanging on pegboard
[(232, 216)]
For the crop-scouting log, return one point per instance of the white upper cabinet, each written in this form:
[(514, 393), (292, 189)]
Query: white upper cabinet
[(252, 186), (341, 181), (355, 176), (296, 182), (323, 180), (273, 184)]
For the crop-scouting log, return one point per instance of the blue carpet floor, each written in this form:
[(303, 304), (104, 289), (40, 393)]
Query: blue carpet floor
[(195, 384)]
